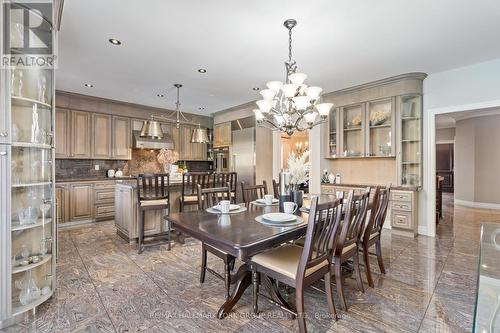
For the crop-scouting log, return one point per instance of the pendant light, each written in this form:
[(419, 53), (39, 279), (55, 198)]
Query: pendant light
[(151, 129), (199, 135)]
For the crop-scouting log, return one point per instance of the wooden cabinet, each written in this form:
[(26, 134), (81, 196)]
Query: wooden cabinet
[(80, 136), (363, 130), (62, 204), (404, 212), (121, 139), (101, 136), (63, 126), (81, 201), (104, 200), (190, 151), (222, 134)]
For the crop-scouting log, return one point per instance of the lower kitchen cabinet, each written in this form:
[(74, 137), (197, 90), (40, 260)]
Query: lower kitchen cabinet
[(85, 202)]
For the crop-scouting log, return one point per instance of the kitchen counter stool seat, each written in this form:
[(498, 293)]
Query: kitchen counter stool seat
[(153, 191)]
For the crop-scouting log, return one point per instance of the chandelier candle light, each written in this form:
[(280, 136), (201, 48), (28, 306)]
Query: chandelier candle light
[(291, 106)]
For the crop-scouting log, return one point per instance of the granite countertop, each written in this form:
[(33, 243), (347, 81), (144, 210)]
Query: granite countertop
[(92, 179), (402, 188)]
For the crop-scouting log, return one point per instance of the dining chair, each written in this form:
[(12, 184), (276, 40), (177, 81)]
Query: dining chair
[(299, 267), (373, 231), (209, 197), (153, 193), (276, 189), (253, 192), (190, 181), (347, 238), (221, 179)]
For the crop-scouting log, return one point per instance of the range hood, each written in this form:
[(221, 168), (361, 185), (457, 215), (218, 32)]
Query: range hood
[(141, 142)]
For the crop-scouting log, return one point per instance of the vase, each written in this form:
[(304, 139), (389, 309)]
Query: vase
[(298, 197)]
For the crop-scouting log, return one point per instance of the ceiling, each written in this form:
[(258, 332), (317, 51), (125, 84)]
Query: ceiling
[(449, 120), (243, 44)]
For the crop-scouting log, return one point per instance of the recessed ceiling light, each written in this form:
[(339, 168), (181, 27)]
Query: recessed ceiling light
[(202, 70), (114, 41), (255, 88), (89, 85), (201, 108), (160, 95)]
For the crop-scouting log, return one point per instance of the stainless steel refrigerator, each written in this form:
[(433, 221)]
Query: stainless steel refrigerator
[(242, 152)]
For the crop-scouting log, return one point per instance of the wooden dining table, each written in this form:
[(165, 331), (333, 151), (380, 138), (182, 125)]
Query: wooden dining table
[(242, 236)]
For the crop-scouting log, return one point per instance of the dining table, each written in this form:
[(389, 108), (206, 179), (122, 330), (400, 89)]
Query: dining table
[(242, 236)]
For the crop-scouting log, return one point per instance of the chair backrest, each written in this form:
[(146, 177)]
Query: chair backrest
[(355, 209), (209, 197), (221, 179), (191, 180), (378, 212), (153, 186), (253, 192), (324, 219), (276, 189)]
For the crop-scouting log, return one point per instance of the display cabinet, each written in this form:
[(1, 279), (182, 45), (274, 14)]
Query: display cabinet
[(27, 206), (410, 140), (380, 128), (333, 147), (353, 137)]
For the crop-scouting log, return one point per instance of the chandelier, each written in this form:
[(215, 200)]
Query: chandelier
[(291, 106), (152, 128)]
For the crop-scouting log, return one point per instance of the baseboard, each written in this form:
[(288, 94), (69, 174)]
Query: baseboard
[(473, 204)]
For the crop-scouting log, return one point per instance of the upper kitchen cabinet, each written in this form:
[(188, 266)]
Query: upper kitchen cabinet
[(101, 136), (333, 133), (352, 130), (380, 124), (121, 138), (222, 134), (62, 129), (190, 151), (81, 135), (410, 143)]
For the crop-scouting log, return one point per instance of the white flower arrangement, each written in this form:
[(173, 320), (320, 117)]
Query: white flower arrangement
[(299, 168)]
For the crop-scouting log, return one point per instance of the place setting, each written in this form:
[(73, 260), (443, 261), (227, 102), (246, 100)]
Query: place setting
[(226, 207), (267, 200), (282, 219)]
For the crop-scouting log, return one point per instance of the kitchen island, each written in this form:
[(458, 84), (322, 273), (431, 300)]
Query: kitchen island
[(127, 212)]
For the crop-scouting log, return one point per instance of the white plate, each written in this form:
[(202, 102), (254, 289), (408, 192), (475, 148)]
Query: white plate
[(231, 207), (279, 217), (263, 201)]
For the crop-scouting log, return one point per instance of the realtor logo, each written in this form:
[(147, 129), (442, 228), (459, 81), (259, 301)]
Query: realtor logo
[(27, 38)]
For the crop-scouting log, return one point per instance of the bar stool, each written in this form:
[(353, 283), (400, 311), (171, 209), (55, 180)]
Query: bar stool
[(153, 193), (189, 190)]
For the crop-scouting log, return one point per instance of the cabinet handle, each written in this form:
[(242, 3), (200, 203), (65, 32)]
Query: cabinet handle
[(4, 134)]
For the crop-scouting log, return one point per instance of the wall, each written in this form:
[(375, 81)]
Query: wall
[(445, 134), (462, 89), (477, 161)]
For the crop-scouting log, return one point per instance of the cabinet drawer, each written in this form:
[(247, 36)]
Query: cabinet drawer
[(400, 196), (104, 211), (105, 185), (401, 205), (327, 190), (401, 220), (104, 196)]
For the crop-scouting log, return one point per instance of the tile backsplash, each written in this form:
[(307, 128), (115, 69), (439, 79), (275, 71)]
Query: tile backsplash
[(70, 168)]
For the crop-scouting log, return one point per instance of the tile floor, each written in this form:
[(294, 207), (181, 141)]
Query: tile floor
[(104, 286)]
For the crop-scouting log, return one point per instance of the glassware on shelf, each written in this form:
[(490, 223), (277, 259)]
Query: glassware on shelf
[(30, 291), (42, 89), (36, 133), (28, 215), (17, 83)]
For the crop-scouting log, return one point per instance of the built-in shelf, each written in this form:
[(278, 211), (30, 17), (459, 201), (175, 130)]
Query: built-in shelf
[(19, 269), (31, 145), (347, 129), (31, 184), (409, 162), (333, 132), (380, 126), (16, 226), (410, 118), (16, 310), (410, 140), (24, 101)]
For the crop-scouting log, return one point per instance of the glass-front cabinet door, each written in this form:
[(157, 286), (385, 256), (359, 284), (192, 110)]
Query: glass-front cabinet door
[(352, 123), (380, 128), (333, 133), (27, 214), (410, 124)]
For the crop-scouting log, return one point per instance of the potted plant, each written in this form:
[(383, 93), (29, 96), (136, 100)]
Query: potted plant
[(298, 166)]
